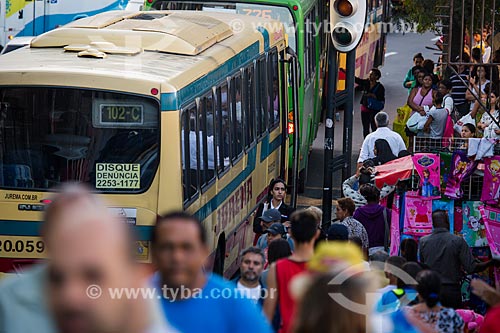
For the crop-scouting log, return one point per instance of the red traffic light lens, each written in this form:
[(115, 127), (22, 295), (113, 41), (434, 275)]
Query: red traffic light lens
[(344, 7)]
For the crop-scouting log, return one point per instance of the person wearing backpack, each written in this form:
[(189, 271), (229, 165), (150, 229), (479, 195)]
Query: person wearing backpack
[(372, 101)]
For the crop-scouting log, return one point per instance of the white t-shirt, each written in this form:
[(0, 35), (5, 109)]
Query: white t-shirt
[(393, 139), (481, 87), (250, 293)]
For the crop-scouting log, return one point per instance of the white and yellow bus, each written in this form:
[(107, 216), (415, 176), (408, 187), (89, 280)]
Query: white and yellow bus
[(156, 111)]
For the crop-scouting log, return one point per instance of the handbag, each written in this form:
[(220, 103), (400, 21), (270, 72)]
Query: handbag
[(467, 119), (417, 122), (373, 103)]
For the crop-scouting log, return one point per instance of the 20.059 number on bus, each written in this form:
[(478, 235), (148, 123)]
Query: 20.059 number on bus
[(21, 247)]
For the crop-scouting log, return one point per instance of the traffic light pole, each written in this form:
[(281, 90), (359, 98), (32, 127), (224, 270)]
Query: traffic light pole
[(332, 71), (347, 18), (349, 113)]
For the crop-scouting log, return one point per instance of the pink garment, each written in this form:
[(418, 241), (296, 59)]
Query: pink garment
[(471, 319), (364, 108), (428, 168), (448, 132), (461, 168), (395, 233), (491, 218), (423, 100), (491, 182), (383, 202), (418, 216)]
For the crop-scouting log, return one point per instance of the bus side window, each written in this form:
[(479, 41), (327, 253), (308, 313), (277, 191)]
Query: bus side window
[(189, 153), (236, 117), (222, 129), (249, 108), (274, 110), (263, 97), (206, 140), (210, 136)]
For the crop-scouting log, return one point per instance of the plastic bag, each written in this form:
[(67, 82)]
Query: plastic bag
[(416, 122), (467, 119)]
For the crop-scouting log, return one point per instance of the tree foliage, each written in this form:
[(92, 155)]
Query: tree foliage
[(427, 14)]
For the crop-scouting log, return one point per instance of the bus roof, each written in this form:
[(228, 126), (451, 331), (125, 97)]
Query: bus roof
[(162, 31), (154, 47)]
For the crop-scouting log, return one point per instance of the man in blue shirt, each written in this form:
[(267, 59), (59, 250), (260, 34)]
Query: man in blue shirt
[(192, 300)]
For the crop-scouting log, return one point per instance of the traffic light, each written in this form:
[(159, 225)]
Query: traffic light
[(347, 19)]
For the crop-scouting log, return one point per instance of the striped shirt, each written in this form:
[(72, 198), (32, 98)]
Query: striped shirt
[(458, 88)]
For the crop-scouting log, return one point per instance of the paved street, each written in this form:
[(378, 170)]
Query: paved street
[(399, 55)]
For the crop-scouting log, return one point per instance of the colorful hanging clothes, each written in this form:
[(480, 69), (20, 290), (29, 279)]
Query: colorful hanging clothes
[(461, 168), (473, 230), (491, 183), (427, 167), (418, 216), (491, 218)]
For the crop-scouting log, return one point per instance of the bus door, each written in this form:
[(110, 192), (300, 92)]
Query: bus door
[(293, 115)]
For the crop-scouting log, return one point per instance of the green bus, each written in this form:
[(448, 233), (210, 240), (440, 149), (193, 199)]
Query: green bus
[(304, 22)]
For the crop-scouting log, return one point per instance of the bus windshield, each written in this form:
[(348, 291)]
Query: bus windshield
[(53, 135), (278, 13)]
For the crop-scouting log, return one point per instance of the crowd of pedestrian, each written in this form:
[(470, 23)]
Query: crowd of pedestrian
[(293, 294), (466, 97)]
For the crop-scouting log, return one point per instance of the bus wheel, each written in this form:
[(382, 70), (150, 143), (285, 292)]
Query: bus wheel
[(220, 255)]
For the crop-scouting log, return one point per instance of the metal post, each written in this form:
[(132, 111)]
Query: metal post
[(329, 134), (348, 113)]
